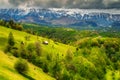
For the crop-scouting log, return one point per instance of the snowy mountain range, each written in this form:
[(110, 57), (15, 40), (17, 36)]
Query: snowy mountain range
[(64, 17)]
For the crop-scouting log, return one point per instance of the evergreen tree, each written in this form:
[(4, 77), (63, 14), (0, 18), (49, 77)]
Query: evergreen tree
[(11, 40)]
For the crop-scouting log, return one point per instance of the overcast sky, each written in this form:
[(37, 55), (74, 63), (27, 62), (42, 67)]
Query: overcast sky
[(86, 4)]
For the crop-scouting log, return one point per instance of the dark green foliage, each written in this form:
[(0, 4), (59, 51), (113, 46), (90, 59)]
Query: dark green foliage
[(45, 68), (10, 44), (69, 55), (38, 48), (39, 62), (21, 66), (11, 24), (95, 43), (49, 56), (56, 70), (23, 53), (16, 53), (31, 52), (42, 63), (31, 47), (112, 49), (86, 52), (2, 22), (66, 75), (11, 40), (8, 48), (63, 35), (16, 26), (68, 35)]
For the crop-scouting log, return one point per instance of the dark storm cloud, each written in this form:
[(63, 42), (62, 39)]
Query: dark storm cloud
[(86, 4), (17, 2), (114, 5), (63, 3), (47, 3)]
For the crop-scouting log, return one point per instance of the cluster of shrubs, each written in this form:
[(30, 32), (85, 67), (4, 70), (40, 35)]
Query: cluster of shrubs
[(109, 46), (21, 66), (11, 24), (32, 52)]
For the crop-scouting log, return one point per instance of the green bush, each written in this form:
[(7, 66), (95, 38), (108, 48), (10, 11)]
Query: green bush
[(38, 48), (21, 66), (16, 53), (24, 54), (69, 55)]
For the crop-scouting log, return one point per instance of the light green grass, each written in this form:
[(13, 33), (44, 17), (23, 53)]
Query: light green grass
[(7, 71), (112, 75), (20, 36)]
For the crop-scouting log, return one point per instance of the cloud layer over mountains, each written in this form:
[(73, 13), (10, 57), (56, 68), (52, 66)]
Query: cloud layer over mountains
[(86, 4)]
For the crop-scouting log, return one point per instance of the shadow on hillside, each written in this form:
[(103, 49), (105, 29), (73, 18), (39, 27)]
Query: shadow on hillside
[(26, 76)]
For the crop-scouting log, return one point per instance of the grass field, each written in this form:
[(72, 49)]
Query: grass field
[(7, 71)]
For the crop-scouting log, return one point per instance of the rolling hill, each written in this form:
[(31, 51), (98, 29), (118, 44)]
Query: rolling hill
[(7, 60), (90, 58)]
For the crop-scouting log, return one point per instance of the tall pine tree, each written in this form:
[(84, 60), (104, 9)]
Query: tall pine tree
[(11, 40)]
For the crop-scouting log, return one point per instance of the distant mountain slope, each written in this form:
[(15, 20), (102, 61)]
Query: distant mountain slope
[(64, 17)]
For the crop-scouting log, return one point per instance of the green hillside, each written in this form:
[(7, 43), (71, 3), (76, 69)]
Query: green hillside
[(20, 36), (89, 58), (7, 62), (7, 71)]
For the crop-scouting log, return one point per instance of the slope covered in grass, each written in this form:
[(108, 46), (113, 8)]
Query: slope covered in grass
[(95, 58), (7, 61), (20, 36), (7, 71)]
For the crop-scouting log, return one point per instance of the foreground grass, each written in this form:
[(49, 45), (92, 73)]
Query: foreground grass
[(7, 71)]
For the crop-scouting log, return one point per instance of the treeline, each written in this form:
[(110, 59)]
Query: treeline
[(11, 24), (59, 34)]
